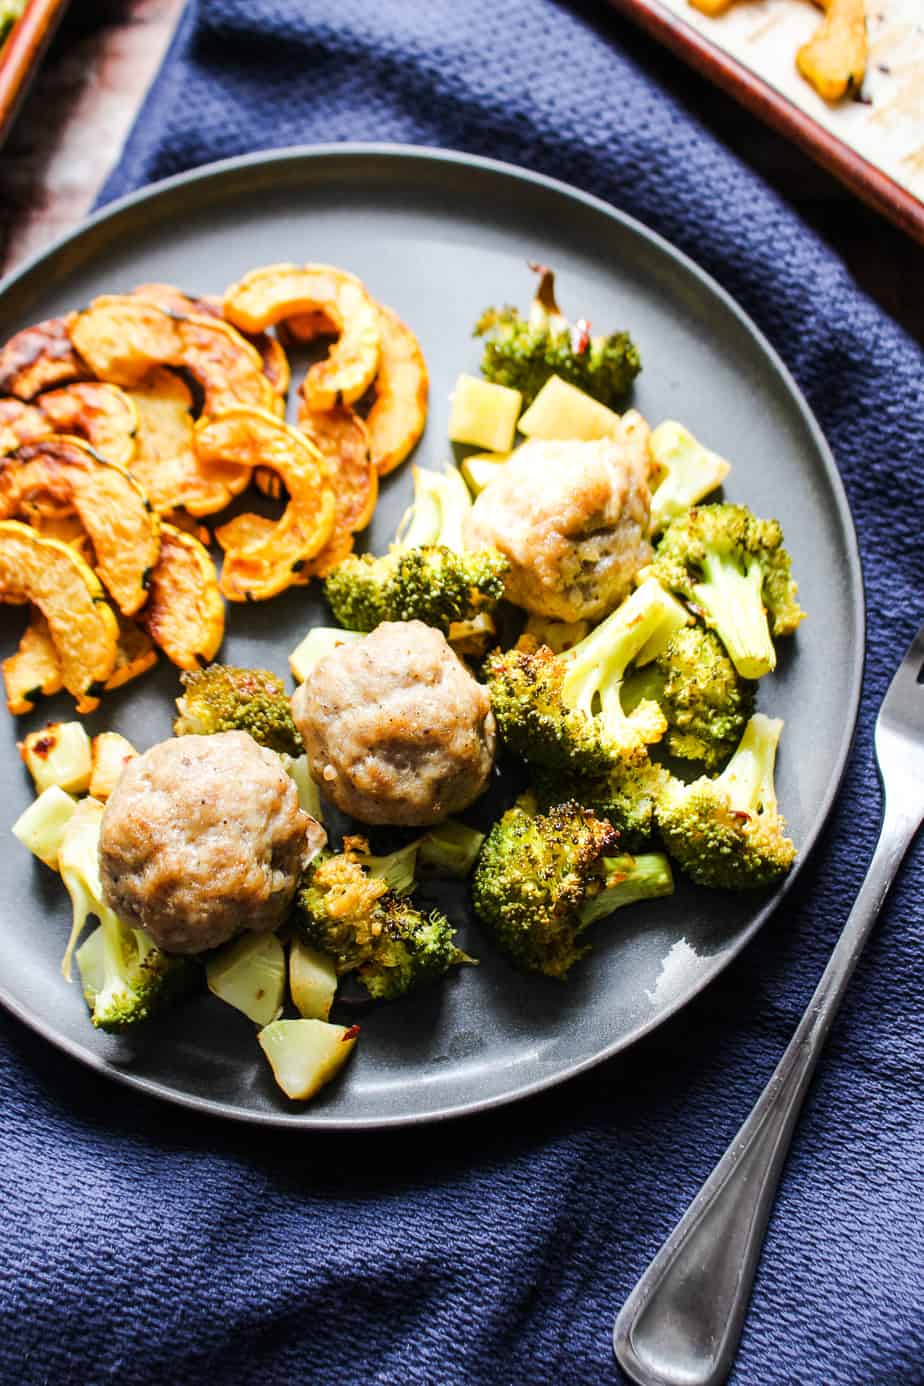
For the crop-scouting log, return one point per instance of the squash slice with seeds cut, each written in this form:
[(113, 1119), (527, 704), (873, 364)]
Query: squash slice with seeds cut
[(397, 418), (268, 562), (101, 414), (276, 292), (70, 597), (123, 338), (40, 357), (112, 507), (185, 614), (34, 671)]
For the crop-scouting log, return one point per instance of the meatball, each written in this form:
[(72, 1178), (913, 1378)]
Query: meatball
[(573, 519), (396, 729), (203, 838)]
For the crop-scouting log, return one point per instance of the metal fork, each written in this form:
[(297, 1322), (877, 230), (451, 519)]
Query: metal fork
[(682, 1323)]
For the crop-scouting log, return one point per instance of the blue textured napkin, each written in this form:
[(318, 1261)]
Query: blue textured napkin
[(141, 1244)]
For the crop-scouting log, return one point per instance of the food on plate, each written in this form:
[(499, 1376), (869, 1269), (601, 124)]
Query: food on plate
[(430, 584), (111, 506), (135, 654), (222, 698), (396, 729), (226, 366), (343, 440), (275, 292), (110, 753), (573, 520), (306, 1054), (34, 670), (101, 414), (313, 980), (523, 352), (562, 411), (483, 414), (542, 878), (188, 857), (728, 832), (20, 423), (40, 357), (318, 642), (60, 754), (687, 473), (69, 595), (249, 973), (733, 570), (359, 910), (10, 12), (399, 410), (184, 614), (41, 826)]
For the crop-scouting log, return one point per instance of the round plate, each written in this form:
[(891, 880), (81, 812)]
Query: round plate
[(439, 237)]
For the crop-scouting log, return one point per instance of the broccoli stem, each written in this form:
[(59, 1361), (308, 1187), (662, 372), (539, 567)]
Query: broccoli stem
[(629, 879), (748, 778), (733, 603), (450, 849), (397, 869)]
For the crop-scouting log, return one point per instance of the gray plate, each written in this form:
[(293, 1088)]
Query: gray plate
[(439, 236)]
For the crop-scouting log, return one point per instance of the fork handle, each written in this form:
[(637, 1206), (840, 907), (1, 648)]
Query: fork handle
[(681, 1324)]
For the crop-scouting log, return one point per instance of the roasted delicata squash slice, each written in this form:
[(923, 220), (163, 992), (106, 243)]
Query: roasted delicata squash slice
[(34, 671), (123, 338), (166, 463), (277, 292), (834, 59), (397, 418), (228, 368), (135, 653), (268, 565), (185, 614), (20, 423), (39, 358), (69, 595), (112, 507), (102, 414), (340, 436)]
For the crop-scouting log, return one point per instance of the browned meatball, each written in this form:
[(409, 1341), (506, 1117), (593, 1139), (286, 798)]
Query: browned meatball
[(573, 519), (396, 728), (203, 838)]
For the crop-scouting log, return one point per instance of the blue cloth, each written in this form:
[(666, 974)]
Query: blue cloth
[(144, 1245)]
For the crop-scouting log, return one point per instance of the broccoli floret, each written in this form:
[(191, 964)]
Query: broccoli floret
[(728, 832), (542, 878), (687, 472), (357, 908), (628, 796), (733, 570), (564, 710), (705, 700), (222, 698), (125, 977), (523, 352), (431, 584)]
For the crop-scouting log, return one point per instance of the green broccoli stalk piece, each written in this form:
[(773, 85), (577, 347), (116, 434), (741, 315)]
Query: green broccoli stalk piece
[(628, 796), (542, 878), (358, 909), (687, 473), (523, 352), (705, 700), (449, 849), (733, 570), (564, 710), (125, 977), (222, 698), (728, 832), (432, 584)]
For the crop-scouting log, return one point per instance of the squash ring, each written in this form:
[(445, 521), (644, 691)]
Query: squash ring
[(34, 670), (39, 358), (276, 292), (20, 423), (397, 418), (184, 615), (101, 414), (111, 505), (69, 595)]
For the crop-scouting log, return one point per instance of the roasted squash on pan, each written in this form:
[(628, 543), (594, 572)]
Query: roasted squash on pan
[(69, 595)]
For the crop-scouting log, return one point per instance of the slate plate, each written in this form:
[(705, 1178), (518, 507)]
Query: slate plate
[(439, 236)]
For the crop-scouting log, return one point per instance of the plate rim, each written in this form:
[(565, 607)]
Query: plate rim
[(305, 1119)]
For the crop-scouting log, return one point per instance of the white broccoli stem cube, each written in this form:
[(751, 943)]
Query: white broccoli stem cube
[(484, 414), (312, 980), (59, 754), (306, 1054), (41, 828), (250, 974), (561, 411)]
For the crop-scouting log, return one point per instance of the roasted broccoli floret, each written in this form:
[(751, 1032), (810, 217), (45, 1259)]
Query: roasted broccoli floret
[(431, 584), (687, 472), (357, 908), (542, 878), (705, 700), (564, 710), (523, 352), (628, 796), (733, 570), (222, 698), (125, 977), (727, 832)]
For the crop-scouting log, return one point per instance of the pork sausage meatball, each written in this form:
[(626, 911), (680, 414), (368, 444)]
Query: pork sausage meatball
[(203, 838), (573, 519), (396, 729)]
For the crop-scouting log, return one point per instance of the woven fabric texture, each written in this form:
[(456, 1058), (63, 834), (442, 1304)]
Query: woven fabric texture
[(144, 1245)]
